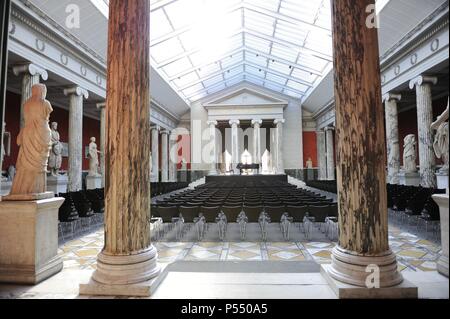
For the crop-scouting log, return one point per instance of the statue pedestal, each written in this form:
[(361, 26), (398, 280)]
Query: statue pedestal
[(29, 240), (57, 184), (5, 188), (442, 201), (93, 182), (409, 178), (442, 180)]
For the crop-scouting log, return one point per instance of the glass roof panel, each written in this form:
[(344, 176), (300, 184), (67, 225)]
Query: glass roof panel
[(217, 43)]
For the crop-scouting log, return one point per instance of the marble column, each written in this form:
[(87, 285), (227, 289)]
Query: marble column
[(101, 107), (257, 142), (165, 156), (234, 145), (155, 153), (173, 156), (127, 265), (214, 147), (362, 259), (427, 160), (279, 164), (330, 153), (31, 76), (321, 155), (76, 96), (392, 142)]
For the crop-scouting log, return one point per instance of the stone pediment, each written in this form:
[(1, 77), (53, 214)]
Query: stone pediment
[(246, 97)]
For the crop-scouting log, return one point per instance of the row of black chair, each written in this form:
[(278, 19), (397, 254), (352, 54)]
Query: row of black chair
[(82, 204), (159, 188)]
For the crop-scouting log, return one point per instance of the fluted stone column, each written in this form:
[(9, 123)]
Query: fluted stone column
[(173, 155), (155, 153), (128, 261), (427, 160), (101, 107), (393, 146), (322, 155), (31, 76), (279, 164), (257, 142), (165, 156), (234, 144), (214, 147), (363, 247), (76, 96), (330, 153)]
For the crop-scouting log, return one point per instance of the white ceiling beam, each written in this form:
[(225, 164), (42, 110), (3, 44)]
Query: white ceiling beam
[(212, 75), (281, 86), (286, 76), (160, 4), (290, 45), (194, 68), (282, 17)]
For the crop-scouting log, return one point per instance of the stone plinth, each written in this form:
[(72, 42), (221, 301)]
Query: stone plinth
[(409, 178), (29, 240), (93, 182), (57, 184), (404, 290), (442, 201), (442, 180)]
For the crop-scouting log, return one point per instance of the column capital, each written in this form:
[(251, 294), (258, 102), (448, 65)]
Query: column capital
[(155, 127), (165, 132), (31, 69), (421, 80), (101, 106), (254, 122), (212, 122), (78, 91), (329, 128), (234, 122), (279, 121), (392, 96)]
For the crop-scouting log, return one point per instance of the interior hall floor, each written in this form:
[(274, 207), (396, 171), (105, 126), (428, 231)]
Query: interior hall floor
[(272, 269)]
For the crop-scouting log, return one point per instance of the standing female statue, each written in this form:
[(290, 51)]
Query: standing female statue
[(55, 159), (409, 153), (93, 158), (440, 144), (34, 143)]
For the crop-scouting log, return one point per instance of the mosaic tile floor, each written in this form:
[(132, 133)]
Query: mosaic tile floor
[(414, 253)]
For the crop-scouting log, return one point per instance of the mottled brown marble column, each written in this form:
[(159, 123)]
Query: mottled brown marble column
[(128, 258), (361, 178)]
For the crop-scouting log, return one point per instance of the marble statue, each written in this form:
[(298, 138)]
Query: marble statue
[(440, 144), (34, 141), (93, 158), (309, 163), (409, 154), (55, 158)]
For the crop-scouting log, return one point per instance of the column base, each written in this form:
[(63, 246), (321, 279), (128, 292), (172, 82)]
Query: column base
[(29, 240), (409, 178), (404, 290), (124, 275), (5, 188), (93, 182), (355, 270), (57, 184)]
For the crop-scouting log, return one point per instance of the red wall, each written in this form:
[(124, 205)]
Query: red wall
[(310, 148), (91, 128)]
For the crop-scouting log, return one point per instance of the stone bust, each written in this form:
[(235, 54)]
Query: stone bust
[(409, 154), (93, 158), (440, 145), (34, 141), (55, 158)]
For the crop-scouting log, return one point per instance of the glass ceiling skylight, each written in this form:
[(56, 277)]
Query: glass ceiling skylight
[(203, 46)]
